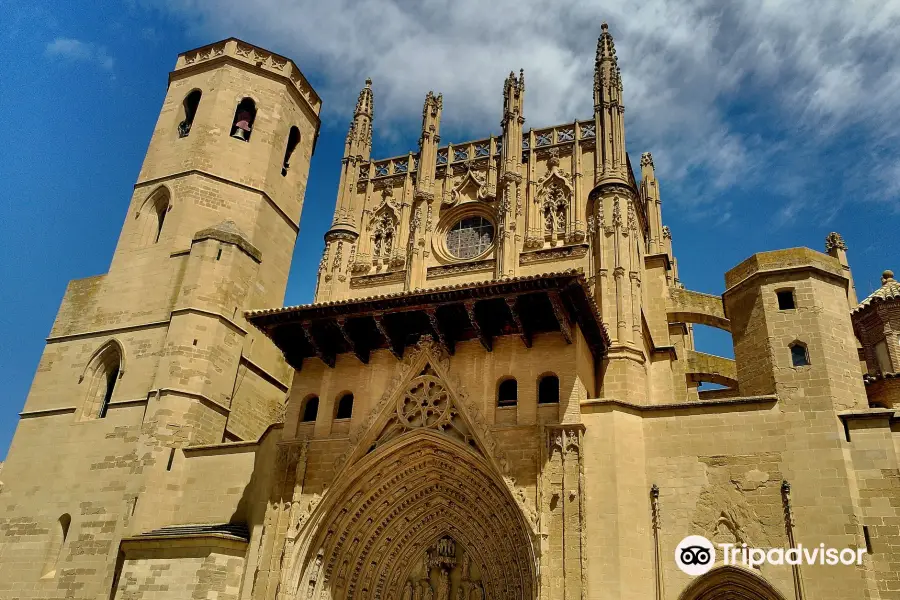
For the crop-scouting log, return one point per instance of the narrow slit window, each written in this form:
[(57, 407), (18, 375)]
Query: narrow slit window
[(293, 140), (189, 110), (244, 116), (548, 390), (507, 393), (311, 410), (868, 539), (786, 300)]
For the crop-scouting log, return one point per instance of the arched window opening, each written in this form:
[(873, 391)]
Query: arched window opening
[(152, 216), (548, 390), (345, 407), (189, 110), (104, 375), (799, 355), (310, 410), (507, 393), (58, 535), (244, 115), (293, 140)]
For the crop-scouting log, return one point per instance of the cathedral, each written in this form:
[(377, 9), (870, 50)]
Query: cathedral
[(495, 394)]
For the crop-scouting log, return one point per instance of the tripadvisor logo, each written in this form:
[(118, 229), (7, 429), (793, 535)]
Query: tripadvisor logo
[(696, 555)]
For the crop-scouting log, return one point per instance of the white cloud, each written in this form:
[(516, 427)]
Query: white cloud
[(76, 50), (724, 95)]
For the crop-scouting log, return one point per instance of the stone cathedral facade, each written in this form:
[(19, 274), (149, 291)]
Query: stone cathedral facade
[(494, 396)]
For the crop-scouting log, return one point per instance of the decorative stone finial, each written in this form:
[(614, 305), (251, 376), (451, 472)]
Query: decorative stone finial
[(886, 277), (604, 26), (646, 159), (834, 241), (365, 104)]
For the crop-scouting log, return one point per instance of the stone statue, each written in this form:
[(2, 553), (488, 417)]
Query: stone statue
[(444, 586), (408, 591)]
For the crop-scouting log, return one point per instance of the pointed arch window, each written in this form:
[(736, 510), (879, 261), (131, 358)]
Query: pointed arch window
[(293, 140), (102, 375), (188, 111), (244, 116), (58, 534), (310, 410), (152, 216)]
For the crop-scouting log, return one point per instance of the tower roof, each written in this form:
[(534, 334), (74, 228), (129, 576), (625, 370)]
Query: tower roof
[(889, 290)]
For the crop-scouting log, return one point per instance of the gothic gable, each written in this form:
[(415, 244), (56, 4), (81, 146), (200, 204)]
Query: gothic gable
[(423, 396)]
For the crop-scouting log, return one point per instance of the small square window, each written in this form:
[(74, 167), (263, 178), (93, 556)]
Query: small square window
[(786, 300), (799, 355)]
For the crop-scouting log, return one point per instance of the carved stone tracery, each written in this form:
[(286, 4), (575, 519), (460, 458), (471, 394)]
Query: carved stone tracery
[(425, 485), (555, 196)]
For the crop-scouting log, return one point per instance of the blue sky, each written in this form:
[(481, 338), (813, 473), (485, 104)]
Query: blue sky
[(770, 124)]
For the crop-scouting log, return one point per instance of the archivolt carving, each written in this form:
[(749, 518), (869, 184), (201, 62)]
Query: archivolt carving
[(418, 500), (730, 583), (444, 572)]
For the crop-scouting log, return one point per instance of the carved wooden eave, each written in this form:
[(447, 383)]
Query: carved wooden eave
[(521, 306)]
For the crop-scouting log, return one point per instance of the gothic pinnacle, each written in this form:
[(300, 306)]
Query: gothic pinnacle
[(365, 104), (606, 47)]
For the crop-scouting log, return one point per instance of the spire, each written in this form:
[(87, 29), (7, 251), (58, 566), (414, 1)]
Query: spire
[(513, 95), (607, 76), (365, 104), (612, 162), (428, 142), (359, 138)]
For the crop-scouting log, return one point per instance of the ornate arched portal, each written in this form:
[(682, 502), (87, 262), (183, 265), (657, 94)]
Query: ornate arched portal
[(422, 517), (730, 583)]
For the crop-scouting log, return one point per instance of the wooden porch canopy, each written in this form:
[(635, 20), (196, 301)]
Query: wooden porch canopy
[(519, 306)]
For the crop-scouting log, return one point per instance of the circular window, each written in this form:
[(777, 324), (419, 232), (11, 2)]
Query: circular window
[(470, 237)]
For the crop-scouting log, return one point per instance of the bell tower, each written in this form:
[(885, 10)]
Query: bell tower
[(156, 355), (230, 157)]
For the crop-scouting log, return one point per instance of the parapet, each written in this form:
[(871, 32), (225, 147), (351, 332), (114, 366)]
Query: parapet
[(783, 260), (236, 50)]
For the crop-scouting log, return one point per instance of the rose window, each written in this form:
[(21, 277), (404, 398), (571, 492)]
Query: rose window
[(470, 237)]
